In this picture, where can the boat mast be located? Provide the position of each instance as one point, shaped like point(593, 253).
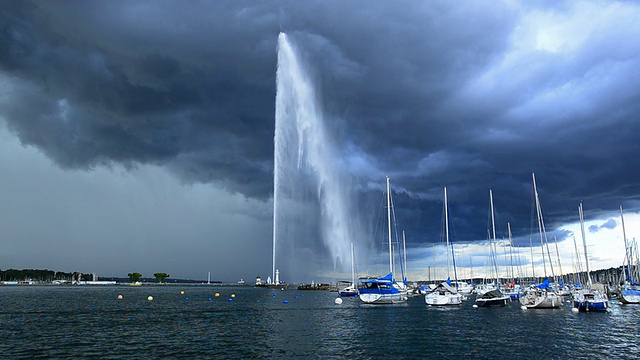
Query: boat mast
point(353, 269)
point(539, 214)
point(626, 247)
point(404, 252)
point(636, 264)
point(533, 267)
point(555, 239)
point(492, 246)
point(446, 231)
point(513, 277)
point(453, 253)
point(584, 243)
point(579, 266)
point(389, 225)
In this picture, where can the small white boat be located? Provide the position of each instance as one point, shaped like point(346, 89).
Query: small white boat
point(540, 296)
point(443, 295)
point(446, 293)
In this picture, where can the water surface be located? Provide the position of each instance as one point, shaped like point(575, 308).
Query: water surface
point(86, 322)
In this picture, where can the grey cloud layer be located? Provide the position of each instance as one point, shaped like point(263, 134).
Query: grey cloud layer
point(433, 94)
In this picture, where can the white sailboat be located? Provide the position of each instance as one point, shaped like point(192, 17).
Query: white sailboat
point(385, 289)
point(446, 293)
point(629, 292)
point(588, 298)
point(540, 296)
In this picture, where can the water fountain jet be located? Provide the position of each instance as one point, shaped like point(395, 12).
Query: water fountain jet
point(311, 201)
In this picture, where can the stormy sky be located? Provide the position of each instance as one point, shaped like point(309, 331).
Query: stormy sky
point(139, 136)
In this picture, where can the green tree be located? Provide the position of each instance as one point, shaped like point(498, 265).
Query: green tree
point(134, 277)
point(161, 276)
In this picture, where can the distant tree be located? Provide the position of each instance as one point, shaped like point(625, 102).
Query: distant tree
point(161, 276)
point(134, 277)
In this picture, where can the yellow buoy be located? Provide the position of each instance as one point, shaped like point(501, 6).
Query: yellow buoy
point(119, 297)
point(181, 292)
point(150, 298)
point(217, 294)
point(233, 295)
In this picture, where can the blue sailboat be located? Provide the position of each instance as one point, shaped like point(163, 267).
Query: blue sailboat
point(385, 289)
point(629, 292)
point(352, 289)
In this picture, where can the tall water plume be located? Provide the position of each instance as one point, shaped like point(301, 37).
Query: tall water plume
point(314, 222)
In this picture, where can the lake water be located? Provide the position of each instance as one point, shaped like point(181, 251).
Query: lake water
point(87, 322)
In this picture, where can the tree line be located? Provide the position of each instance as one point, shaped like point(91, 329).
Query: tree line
point(46, 275)
point(41, 275)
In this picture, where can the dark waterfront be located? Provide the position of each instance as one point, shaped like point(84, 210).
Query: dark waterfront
point(90, 322)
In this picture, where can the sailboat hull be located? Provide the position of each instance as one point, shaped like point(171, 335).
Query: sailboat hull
point(602, 305)
point(436, 299)
point(348, 291)
point(629, 296)
point(380, 298)
point(493, 302)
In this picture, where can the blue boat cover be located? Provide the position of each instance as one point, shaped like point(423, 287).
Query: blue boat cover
point(383, 279)
point(544, 285)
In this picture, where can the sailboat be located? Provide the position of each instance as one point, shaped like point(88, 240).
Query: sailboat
point(629, 292)
point(493, 297)
point(588, 298)
point(352, 289)
point(512, 289)
point(540, 296)
point(446, 293)
point(385, 289)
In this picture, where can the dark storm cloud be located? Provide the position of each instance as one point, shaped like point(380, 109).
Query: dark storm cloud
point(131, 85)
point(467, 96)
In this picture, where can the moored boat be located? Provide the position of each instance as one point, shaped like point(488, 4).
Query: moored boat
point(384, 289)
point(540, 296)
point(629, 291)
point(590, 298)
point(493, 297)
point(352, 288)
point(446, 293)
